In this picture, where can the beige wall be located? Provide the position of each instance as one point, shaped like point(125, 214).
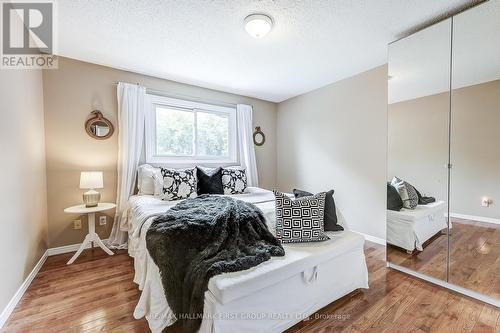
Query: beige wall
point(418, 143)
point(70, 94)
point(418, 146)
point(335, 137)
point(23, 239)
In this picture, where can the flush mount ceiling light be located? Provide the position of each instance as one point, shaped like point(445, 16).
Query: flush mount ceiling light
point(258, 25)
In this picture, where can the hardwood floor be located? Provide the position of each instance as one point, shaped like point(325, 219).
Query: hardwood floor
point(475, 256)
point(474, 259)
point(96, 294)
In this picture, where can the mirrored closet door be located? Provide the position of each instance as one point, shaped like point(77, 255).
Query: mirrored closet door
point(418, 115)
point(443, 179)
point(475, 151)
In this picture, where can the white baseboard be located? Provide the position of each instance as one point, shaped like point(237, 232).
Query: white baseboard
point(68, 248)
point(22, 289)
point(475, 218)
point(447, 285)
point(374, 239)
point(24, 286)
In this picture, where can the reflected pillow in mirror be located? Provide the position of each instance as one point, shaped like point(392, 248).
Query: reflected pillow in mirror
point(407, 193)
point(394, 201)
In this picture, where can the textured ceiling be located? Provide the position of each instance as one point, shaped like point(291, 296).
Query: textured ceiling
point(202, 42)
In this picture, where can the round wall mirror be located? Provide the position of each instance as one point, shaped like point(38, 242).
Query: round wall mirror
point(99, 127)
point(258, 137)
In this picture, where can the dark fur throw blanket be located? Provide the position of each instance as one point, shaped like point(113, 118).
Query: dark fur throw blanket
point(200, 238)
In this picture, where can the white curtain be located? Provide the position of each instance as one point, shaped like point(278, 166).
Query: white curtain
point(245, 143)
point(131, 111)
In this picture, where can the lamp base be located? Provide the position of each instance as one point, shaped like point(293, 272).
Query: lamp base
point(91, 198)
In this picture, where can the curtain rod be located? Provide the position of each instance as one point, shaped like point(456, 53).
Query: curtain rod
point(188, 97)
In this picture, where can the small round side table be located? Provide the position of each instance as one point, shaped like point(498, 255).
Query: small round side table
point(92, 236)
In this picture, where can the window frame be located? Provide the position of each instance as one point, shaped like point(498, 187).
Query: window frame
point(151, 155)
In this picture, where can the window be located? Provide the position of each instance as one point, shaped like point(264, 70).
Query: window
point(188, 133)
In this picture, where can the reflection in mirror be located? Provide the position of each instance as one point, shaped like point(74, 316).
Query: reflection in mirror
point(475, 153)
point(99, 128)
point(418, 130)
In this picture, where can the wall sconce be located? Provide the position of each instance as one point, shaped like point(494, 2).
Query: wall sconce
point(486, 202)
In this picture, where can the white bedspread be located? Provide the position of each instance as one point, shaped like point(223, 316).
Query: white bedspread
point(142, 209)
point(238, 291)
point(409, 229)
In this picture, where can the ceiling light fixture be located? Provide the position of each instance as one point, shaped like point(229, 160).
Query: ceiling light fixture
point(258, 25)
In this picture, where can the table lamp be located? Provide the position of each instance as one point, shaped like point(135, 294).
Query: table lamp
point(91, 180)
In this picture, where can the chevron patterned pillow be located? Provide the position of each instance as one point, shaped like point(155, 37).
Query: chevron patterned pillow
point(300, 221)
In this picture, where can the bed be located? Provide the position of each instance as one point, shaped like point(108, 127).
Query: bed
point(270, 297)
point(410, 229)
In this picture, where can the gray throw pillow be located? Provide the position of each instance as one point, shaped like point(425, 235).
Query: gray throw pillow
point(301, 220)
point(330, 221)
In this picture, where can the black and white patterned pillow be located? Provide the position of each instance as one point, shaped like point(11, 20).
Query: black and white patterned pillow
point(234, 181)
point(179, 183)
point(407, 192)
point(301, 220)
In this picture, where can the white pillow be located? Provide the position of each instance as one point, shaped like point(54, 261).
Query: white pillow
point(158, 182)
point(206, 170)
point(149, 180)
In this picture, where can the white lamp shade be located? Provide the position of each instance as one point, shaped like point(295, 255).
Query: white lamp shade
point(91, 180)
